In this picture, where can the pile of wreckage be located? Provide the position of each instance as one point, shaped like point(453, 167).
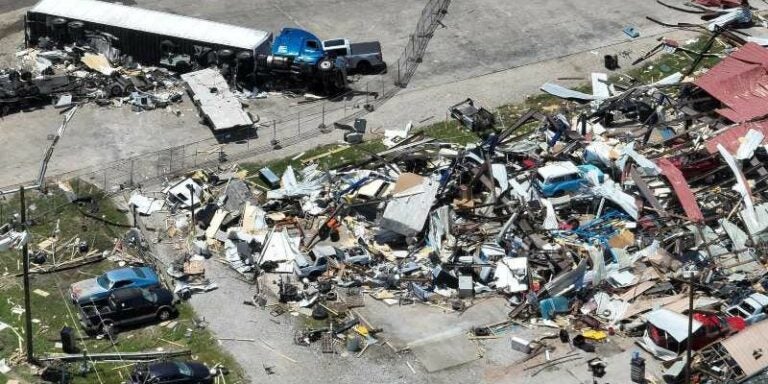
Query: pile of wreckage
point(599, 219)
point(87, 70)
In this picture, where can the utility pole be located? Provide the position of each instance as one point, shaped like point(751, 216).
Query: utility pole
point(192, 207)
point(690, 326)
point(25, 264)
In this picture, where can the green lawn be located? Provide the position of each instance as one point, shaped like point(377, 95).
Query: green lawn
point(54, 311)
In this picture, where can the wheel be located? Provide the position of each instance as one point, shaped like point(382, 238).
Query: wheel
point(107, 327)
point(325, 64)
point(116, 90)
point(164, 314)
point(167, 46)
point(364, 67)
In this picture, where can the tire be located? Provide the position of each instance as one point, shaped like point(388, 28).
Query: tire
point(164, 314)
point(167, 46)
point(225, 55)
point(107, 327)
point(319, 313)
point(116, 90)
point(325, 65)
point(59, 21)
point(364, 67)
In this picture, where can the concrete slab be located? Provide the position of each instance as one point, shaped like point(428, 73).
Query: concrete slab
point(405, 326)
point(446, 352)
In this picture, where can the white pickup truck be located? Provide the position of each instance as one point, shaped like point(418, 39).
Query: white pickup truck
point(361, 57)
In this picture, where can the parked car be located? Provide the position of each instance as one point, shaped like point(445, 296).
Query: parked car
point(95, 290)
point(560, 178)
point(176, 372)
point(752, 309)
point(128, 306)
point(362, 57)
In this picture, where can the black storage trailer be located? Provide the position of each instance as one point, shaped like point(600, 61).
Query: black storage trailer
point(146, 35)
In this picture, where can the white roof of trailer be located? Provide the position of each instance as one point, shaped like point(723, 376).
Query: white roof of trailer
point(149, 21)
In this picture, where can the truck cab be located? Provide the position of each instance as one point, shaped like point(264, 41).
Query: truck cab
point(298, 53)
point(752, 309)
point(303, 47)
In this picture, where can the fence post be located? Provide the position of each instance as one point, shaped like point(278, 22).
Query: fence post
point(399, 81)
point(322, 124)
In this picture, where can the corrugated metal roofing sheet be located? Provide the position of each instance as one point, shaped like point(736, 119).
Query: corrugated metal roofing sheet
point(682, 190)
point(740, 82)
point(160, 23)
point(211, 93)
point(731, 137)
point(742, 346)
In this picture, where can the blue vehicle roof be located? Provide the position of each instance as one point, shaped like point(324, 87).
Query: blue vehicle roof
point(131, 273)
point(289, 42)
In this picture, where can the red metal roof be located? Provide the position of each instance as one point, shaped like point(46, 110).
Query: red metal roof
point(731, 137)
point(682, 190)
point(740, 82)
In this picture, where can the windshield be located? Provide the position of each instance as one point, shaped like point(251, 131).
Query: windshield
point(103, 281)
point(748, 308)
point(183, 369)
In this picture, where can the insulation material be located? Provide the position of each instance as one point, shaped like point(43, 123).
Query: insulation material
point(550, 221)
point(565, 93)
point(628, 152)
point(439, 228)
point(600, 86)
point(254, 219)
point(752, 140)
point(511, 274)
point(742, 186)
point(598, 265)
point(614, 193)
point(98, 63)
point(312, 182)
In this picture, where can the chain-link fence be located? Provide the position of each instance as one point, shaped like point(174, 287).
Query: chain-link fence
point(310, 121)
point(413, 52)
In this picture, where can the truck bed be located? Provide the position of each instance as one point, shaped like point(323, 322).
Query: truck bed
point(366, 48)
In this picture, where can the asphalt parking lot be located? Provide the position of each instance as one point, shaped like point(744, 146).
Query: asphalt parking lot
point(480, 39)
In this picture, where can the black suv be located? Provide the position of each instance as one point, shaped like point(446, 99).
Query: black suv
point(128, 306)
